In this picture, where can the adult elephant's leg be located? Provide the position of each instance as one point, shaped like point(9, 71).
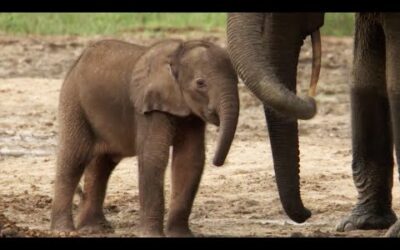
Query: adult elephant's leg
point(392, 30)
point(187, 168)
point(91, 216)
point(372, 144)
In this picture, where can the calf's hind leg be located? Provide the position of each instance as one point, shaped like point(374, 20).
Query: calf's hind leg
point(74, 151)
point(91, 215)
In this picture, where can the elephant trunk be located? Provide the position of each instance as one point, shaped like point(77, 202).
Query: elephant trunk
point(245, 47)
point(285, 151)
point(268, 66)
point(228, 112)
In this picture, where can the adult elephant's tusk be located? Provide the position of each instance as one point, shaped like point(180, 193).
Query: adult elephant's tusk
point(316, 62)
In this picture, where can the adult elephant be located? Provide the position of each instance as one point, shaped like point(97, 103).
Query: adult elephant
point(264, 48)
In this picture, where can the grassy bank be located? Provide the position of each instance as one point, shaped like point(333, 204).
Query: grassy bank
point(337, 24)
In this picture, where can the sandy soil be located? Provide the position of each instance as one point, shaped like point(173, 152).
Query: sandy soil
point(238, 199)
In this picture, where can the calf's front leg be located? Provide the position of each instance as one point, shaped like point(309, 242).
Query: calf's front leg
point(187, 168)
point(155, 135)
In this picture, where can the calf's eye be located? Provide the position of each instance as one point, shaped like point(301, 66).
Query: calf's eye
point(201, 83)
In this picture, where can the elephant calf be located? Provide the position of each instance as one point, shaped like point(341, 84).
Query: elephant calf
point(121, 100)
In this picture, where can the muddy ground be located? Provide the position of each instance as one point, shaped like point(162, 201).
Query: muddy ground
point(238, 199)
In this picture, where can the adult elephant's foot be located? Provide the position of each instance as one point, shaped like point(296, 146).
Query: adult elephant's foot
point(360, 219)
point(394, 231)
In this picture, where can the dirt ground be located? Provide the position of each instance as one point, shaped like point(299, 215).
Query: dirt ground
point(238, 199)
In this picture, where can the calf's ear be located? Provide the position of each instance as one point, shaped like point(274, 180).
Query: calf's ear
point(154, 85)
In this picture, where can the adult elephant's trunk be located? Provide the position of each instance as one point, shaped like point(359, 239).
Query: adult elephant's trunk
point(228, 112)
point(245, 45)
point(265, 55)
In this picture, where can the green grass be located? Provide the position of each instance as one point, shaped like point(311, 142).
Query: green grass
point(339, 24)
point(104, 23)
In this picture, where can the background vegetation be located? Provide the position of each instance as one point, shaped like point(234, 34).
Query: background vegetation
point(336, 24)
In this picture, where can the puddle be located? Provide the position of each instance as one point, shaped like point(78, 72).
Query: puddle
point(26, 144)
